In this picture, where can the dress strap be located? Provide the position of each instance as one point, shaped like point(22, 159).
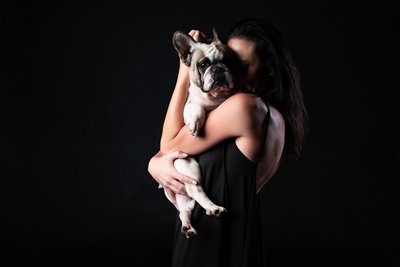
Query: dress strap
point(264, 131)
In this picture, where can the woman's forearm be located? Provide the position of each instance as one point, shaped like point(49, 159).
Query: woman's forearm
point(173, 121)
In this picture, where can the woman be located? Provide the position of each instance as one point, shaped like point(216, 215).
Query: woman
point(240, 151)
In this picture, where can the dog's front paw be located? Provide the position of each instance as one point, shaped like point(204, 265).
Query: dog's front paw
point(193, 128)
point(189, 231)
point(195, 119)
point(215, 211)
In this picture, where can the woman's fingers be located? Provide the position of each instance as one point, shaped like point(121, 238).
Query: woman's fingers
point(181, 177)
point(199, 36)
point(185, 179)
point(176, 186)
point(194, 34)
point(177, 155)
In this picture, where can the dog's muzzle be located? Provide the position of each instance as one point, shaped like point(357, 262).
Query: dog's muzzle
point(216, 77)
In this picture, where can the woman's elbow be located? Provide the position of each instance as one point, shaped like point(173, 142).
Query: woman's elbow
point(163, 145)
point(168, 145)
point(165, 148)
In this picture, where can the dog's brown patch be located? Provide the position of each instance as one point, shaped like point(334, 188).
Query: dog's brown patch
point(197, 55)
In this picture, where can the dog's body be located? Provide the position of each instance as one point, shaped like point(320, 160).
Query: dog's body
point(210, 84)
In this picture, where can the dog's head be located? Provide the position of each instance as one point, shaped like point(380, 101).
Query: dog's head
point(209, 64)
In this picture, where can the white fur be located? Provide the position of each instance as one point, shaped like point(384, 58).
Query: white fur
point(196, 107)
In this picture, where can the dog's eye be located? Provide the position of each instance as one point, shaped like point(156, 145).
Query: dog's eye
point(204, 64)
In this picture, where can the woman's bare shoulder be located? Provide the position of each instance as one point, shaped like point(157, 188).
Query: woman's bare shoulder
point(247, 110)
point(246, 102)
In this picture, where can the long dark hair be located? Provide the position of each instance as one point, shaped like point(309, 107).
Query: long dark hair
point(279, 84)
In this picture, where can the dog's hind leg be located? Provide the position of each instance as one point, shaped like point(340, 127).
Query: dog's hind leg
point(185, 206)
point(190, 167)
point(196, 192)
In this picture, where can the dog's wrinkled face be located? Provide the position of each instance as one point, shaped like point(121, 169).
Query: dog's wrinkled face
point(208, 63)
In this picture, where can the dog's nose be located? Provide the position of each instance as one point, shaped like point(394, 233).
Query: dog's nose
point(219, 70)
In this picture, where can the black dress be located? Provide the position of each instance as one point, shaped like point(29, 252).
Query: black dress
point(234, 238)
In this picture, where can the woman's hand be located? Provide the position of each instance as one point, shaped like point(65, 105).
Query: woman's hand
point(199, 36)
point(162, 169)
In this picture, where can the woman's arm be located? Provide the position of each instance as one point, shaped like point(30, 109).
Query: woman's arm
point(235, 117)
point(173, 121)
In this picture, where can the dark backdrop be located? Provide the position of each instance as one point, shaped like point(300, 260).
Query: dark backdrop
point(84, 94)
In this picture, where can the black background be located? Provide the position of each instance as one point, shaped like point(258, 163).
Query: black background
point(84, 94)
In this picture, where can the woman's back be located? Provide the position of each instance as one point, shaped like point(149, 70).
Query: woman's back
point(271, 155)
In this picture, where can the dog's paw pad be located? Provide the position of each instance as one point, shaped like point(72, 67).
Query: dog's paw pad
point(216, 212)
point(189, 231)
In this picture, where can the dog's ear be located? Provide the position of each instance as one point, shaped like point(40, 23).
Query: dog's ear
point(183, 43)
point(215, 38)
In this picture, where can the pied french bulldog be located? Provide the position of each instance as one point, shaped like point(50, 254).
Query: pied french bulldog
point(211, 83)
